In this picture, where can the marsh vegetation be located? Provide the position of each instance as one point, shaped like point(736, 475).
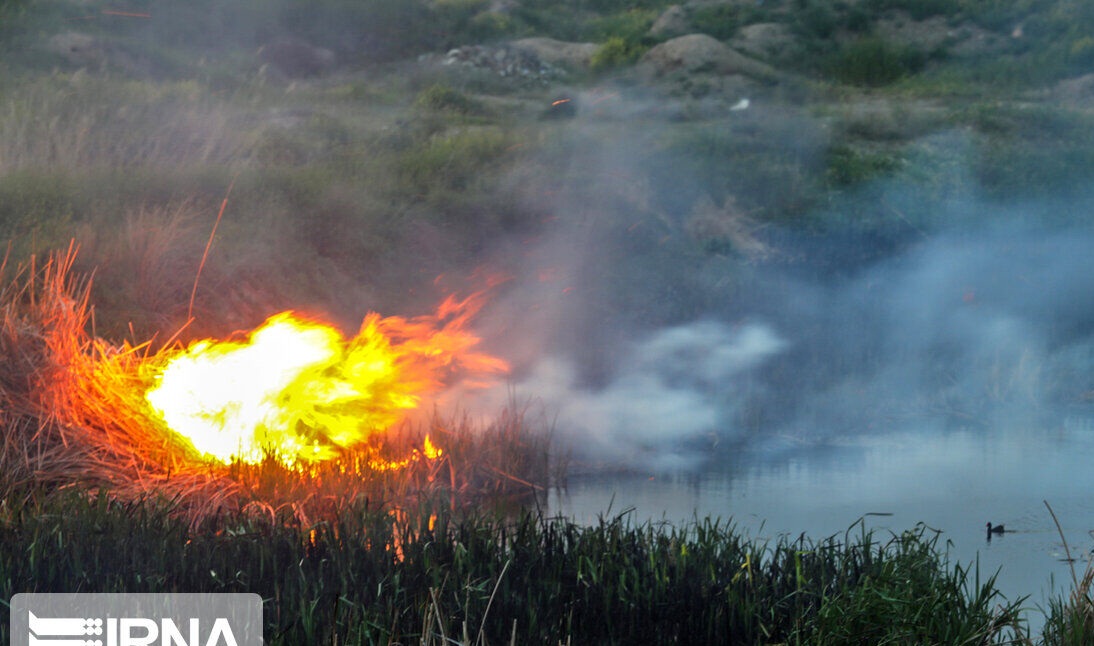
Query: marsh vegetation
point(359, 164)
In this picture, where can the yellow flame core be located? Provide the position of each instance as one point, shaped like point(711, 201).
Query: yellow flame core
point(299, 391)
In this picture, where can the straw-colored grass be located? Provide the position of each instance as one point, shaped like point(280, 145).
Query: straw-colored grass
point(75, 121)
point(73, 409)
point(73, 414)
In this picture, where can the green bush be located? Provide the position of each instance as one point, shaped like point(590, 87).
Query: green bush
point(460, 161)
point(873, 61)
point(443, 98)
point(615, 53)
point(719, 21)
point(573, 21)
point(816, 19)
point(632, 26)
point(848, 166)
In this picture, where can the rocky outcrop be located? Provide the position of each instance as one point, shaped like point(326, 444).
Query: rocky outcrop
point(673, 22)
point(699, 53)
point(507, 61)
point(764, 40)
point(557, 52)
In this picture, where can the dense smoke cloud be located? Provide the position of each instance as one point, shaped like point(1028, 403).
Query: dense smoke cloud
point(650, 353)
point(965, 327)
point(671, 394)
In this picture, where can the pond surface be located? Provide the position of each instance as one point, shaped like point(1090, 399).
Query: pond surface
point(954, 481)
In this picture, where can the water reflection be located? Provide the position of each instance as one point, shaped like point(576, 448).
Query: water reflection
point(954, 481)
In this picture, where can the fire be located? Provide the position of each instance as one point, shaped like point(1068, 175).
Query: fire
point(300, 391)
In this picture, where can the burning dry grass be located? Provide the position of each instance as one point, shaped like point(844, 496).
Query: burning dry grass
point(74, 414)
point(72, 405)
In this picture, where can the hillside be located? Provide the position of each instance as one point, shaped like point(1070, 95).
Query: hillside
point(368, 148)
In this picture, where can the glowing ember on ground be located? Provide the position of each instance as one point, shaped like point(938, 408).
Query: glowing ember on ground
point(298, 390)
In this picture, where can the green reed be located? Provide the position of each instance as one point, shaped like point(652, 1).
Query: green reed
point(366, 575)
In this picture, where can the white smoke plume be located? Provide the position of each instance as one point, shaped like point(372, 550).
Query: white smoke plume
point(649, 351)
point(668, 401)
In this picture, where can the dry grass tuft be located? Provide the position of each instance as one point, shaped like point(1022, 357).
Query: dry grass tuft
point(726, 228)
point(73, 414)
point(72, 405)
point(75, 121)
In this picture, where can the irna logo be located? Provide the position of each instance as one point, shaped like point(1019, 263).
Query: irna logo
point(136, 620)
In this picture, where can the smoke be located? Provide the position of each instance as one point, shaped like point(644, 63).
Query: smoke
point(669, 397)
point(964, 327)
point(651, 348)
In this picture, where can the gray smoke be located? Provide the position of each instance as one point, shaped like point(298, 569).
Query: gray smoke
point(670, 396)
point(651, 351)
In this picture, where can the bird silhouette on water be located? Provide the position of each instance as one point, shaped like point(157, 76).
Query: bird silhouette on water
point(995, 529)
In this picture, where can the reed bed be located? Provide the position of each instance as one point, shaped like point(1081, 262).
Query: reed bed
point(1071, 620)
point(71, 403)
point(431, 575)
point(73, 414)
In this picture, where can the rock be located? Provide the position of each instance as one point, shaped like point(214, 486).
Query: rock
point(699, 53)
point(764, 40)
point(557, 52)
point(296, 58)
point(673, 22)
point(507, 60)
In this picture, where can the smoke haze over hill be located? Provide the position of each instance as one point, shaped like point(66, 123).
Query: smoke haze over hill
point(648, 353)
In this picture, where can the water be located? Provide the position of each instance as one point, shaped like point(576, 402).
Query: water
point(953, 481)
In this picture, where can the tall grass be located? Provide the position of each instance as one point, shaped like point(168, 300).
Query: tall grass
point(371, 574)
point(1071, 620)
point(76, 121)
point(73, 412)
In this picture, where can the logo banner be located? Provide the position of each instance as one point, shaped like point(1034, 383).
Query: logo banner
point(139, 619)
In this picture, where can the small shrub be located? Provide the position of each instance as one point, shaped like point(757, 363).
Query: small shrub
point(632, 26)
point(848, 166)
point(615, 53)
point(816, 20)
point(874, 62)
point(443, 98)
point(490, 25)
point(719, 21)
point(455, 162)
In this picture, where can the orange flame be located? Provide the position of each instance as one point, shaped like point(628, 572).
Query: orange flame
point(299, 391)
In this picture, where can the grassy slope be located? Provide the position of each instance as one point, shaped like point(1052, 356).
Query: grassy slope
point(369, 182)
